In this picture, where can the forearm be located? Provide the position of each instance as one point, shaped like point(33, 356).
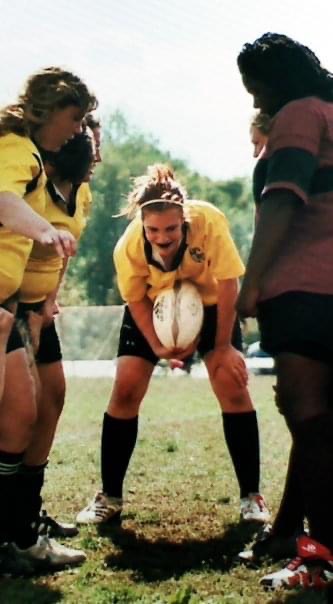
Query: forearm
point(226, 313)
point(276, 214)
point(54, 294)
point(142, 313)
point(19, 217)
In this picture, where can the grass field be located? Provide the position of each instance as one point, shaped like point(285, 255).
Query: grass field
point(180, 529)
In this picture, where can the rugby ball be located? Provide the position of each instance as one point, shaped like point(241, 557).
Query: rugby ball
point(178, 315)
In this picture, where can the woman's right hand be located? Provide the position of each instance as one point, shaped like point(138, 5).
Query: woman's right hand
point(63, 241)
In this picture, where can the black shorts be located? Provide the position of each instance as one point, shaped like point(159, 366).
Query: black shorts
point(298, 322)
point(14, 341)
point(24, 307)
point(49, 350)
point(132, 343)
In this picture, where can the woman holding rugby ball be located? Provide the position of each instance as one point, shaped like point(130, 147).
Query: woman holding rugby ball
point(171, 239)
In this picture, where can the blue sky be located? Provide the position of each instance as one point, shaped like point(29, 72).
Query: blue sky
point(169, 66)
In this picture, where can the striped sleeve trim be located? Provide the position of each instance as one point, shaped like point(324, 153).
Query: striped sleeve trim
point(291, 169)
point(285, 186)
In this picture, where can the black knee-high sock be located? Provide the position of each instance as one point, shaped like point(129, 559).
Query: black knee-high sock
point(242, 438)
point(289, 519)
point(31, 479)
point(9, 466)
point(29, 483)
point(313, 443)
point(118, 442)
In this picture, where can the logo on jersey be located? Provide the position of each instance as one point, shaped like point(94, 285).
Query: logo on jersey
point(197, 254)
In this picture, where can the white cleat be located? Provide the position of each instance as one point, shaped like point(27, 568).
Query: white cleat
point(100, 509)
point(254, 509)
point(47, 553)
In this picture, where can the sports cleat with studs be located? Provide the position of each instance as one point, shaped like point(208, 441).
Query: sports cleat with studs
point(100, 509)
point(51, 527)
point(313, 567)
point(269, 545)
point(253, 509)
point(48, 554)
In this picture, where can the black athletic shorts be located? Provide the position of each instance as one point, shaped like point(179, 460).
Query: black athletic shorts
point(133, 343)
point(14, 341)
point(49, 350)
point(24, 307)
point(298, 322)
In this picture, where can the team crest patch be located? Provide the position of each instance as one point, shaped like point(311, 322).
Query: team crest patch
point(197, 254)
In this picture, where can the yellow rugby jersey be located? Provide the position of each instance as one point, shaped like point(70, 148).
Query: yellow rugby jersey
point(209, 256)
point(21, 165)
point(44, 266)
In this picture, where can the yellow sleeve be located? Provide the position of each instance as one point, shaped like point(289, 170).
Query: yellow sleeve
point(19, 165)
point(131, 265)
point(225, 261)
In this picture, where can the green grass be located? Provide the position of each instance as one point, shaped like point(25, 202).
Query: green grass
point(180, 530)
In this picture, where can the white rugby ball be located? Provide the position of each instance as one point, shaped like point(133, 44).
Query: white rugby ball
point(178, 315)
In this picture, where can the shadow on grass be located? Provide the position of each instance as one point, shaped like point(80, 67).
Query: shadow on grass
point(162, 559)
point(24, 591)
point(309, 596)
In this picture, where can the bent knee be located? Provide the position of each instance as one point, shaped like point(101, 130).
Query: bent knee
point(225, 383)
point(124, 401)
point(126, 397)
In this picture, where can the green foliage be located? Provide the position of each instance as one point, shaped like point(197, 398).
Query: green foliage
point(126, 154)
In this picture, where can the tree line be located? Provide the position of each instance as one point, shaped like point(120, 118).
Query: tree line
point(90, 279)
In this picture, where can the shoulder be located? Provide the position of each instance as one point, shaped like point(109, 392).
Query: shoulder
point(300, 124)
point(299, 110)
point(206, 219)
point(203, 210)
point(19, 147)
point(132, 238)
point(20, 142)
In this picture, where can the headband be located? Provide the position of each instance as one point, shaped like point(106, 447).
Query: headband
point(152, 201)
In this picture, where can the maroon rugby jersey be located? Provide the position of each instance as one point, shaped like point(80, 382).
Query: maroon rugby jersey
point(299, 158)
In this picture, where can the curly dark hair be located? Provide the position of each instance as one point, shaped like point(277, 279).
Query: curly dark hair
point(92, 121)
point(289, 69)
point(74, 159)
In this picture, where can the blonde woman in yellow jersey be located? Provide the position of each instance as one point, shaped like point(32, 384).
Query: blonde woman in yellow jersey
point(171, 239)
point(48, 112)
point(67, 207)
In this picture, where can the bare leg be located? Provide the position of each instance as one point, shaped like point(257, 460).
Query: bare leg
point(6, 323)
point(304, 389)
point(240, 428)
point(50, 405)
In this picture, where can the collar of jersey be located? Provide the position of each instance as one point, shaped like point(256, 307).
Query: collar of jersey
point(178, 257)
